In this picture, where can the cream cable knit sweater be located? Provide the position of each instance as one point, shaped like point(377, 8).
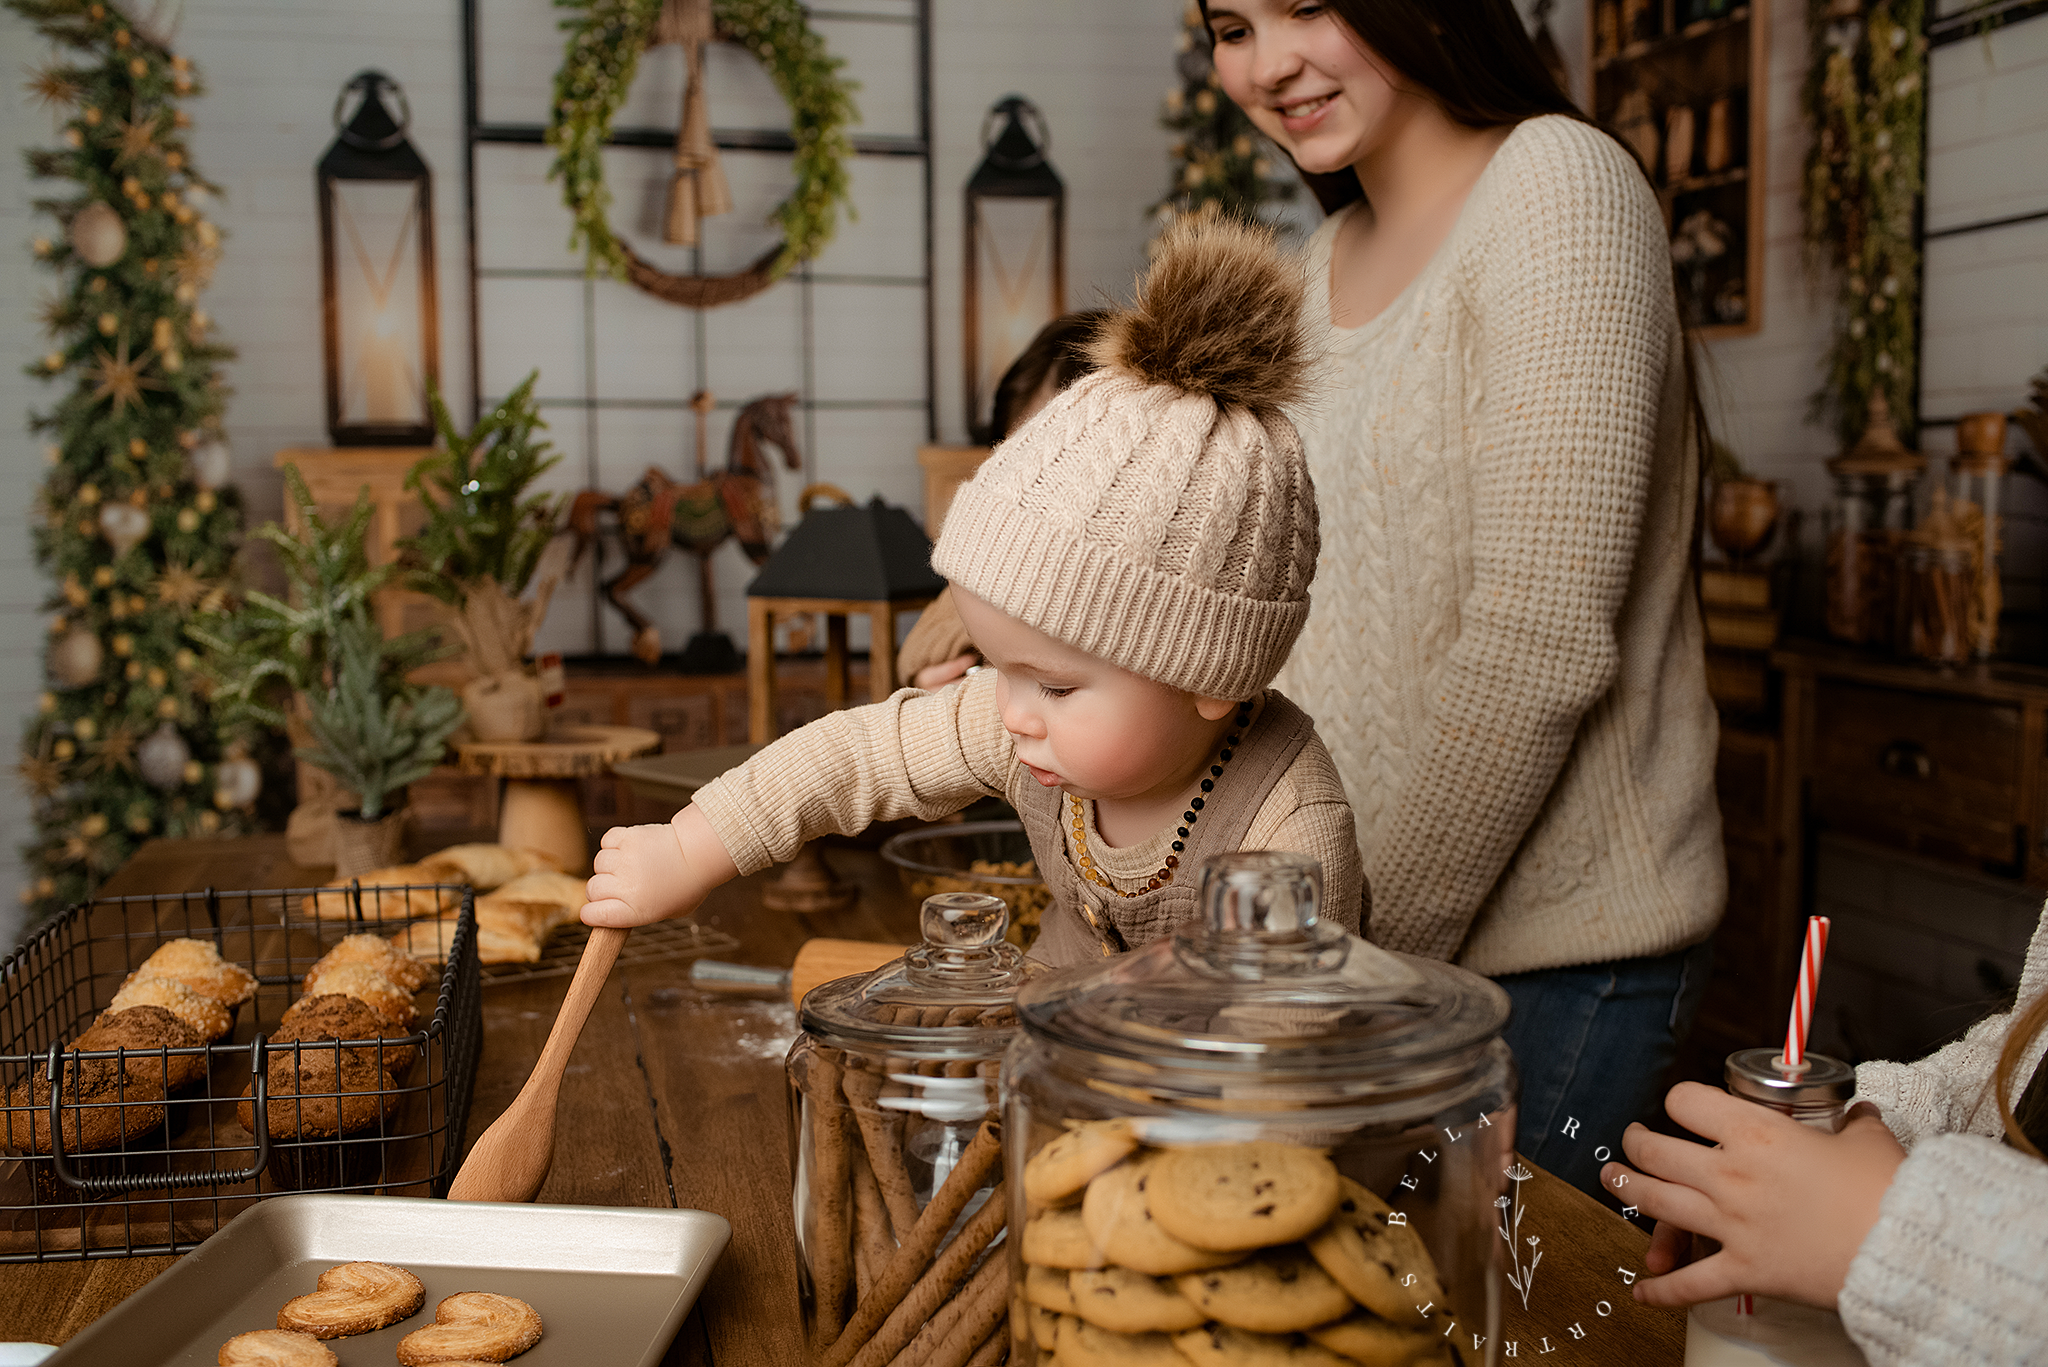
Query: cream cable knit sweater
point(926, 755)
point(1504, 654)
point(1956, 1269)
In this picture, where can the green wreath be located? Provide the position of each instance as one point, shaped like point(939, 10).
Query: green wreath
point(606, 39)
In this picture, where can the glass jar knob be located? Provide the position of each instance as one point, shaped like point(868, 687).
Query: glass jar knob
point(963, 947)
point(1261, 892)
point(963, 920)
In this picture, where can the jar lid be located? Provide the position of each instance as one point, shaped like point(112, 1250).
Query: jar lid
point(1259, 984)
point(1763, 1075)
point(951, 995)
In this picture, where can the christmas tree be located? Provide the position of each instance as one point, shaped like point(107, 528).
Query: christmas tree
point(135, 522)
point(1222, 164)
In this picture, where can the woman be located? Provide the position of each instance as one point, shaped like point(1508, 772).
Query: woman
point(1504, 653)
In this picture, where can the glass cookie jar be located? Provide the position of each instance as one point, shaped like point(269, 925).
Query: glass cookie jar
point(1256, 1127)
point(897, 1142)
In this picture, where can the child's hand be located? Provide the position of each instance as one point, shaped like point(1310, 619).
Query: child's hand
point(644, 874)
point(1788, 1205)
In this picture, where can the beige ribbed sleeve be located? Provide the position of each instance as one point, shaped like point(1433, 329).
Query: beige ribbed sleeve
point(924, 755)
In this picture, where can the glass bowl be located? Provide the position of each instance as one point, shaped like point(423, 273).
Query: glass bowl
point(974, 856)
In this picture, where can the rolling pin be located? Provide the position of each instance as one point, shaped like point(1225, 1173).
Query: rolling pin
point(822, 960)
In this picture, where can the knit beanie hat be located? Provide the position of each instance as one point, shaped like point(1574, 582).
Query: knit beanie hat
point(1158, 513)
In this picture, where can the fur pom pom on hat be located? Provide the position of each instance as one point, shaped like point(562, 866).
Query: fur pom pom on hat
point(1158, 513)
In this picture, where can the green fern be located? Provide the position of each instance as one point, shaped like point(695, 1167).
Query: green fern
point(480, 523)
point(373, 730)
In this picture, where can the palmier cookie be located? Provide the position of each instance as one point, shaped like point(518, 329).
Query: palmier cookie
point(1064, 1166)
point(354, 1298)
point(1082, 1344)
point(1219, 1345)
point(1118, 1217)
point(1133, 1303)
point(1371, 1340)
point(1059, 1238)
point(1280, 1291)
point(1043, 1286)
point(473, 1326)
point(275, 1348)
point(1379, 1260)
point(1230, 1197)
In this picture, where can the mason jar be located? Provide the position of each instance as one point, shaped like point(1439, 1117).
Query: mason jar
point(1259, 1098)
point(897, 1145)
point(1867, 515)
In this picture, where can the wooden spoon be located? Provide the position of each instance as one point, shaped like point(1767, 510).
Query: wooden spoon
point(510, 1160)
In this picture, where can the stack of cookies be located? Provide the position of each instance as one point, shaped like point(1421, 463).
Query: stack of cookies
point(345, 1050)
point(1218, 1255)
point(183, 997)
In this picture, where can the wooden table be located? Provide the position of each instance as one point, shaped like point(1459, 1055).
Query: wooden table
point(675, 1098)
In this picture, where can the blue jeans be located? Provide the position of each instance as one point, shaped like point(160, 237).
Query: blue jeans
point(1593, 1043)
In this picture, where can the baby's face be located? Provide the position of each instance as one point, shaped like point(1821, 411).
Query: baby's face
point(1080, 722)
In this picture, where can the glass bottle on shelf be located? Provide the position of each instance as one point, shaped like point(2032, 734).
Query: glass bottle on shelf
point(896, 1138)
point(1259, 1037)
point(1976, 475)
point(1939, 603)
point(1867, 517)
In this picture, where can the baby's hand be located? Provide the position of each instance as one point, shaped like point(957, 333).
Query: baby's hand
point(1788, 1205)
point(640, 876)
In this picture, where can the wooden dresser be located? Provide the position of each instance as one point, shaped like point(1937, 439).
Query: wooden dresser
point(1909, 804)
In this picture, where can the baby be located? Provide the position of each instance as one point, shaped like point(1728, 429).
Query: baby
point(1134, 565)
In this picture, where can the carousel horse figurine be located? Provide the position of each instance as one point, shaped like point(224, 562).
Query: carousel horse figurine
point(659, 512)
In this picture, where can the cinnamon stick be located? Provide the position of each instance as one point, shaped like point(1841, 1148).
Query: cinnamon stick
point(923, 1300)
point(914, 1249)
point(829, 1203)
point(884, 1146)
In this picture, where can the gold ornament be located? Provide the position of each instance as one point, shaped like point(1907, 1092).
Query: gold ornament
point(193, 771)
point(42, 246)
point(103, 576)
point(205, 502)
point(64, 749)
point(86, 728)
point(157, 677)
point(94, 826)
point(167, 708)
point(120, 379)
point(137, 604)
point(172, 362)
point(118, 608)
point(88, 494)
point(53, 360)
point(53, 89)
point(188, 520)
point(185, 660)
point(76, 593)
point(117, 751)
point(122, 38)
point(133, 671)
point(91, 116)
point(74, 849)
point(179, 587)
point(160, 338)
point(139, 821)
point(39, 775)
point(137, 139)
point(45, 886)
point(46, 703)
point(174, 160)
point(137, 67)
point(73, 139)
point(209, 822)
point(76, 660)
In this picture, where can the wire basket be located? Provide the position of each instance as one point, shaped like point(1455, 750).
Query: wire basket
point(163, 1161)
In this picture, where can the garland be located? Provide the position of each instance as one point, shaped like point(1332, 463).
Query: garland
point(1866, 96)
point(606, 39)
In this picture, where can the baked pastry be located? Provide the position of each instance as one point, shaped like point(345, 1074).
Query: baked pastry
point(562, 891)
point(148, 1028)
point(354, 1298)
point(484, 867)
point(276, 1348)
point(473, 1326)
point(394, 894)
point(333, 1016)
point(199, 966)
point(375, 952)
point(205, 1015)
point(325, 1108)
point(428, 941)
point(101, 1107)
point(367, 985)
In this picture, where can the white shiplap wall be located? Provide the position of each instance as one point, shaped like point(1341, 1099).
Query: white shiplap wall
point(1097, 70)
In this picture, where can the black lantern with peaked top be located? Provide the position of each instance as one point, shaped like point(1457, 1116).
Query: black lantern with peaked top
point(1016, 277)
point(377, 271)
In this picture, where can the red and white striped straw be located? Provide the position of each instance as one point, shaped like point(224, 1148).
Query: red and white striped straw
point(1802, 995)
point(1745, 1304)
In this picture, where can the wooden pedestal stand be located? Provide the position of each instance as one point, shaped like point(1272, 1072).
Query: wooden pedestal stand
point(542, 806)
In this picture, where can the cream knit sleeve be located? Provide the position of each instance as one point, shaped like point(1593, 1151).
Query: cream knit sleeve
point(1568, 283)
point(920, 755)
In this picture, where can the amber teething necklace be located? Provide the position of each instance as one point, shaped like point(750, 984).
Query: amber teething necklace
point(1158, 880)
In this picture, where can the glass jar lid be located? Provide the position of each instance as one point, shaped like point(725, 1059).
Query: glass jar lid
point(1260, 985)
point(951, 996)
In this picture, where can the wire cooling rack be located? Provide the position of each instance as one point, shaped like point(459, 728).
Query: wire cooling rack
point(651, 944)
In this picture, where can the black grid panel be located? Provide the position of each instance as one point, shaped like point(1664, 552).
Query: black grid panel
point(850, 333)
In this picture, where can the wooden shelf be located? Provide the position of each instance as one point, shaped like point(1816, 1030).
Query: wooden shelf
point(1693, 184)
point(1671, 42)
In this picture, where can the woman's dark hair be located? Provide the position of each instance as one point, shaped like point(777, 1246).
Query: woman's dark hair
point(1474, 57)
point(1060, 350)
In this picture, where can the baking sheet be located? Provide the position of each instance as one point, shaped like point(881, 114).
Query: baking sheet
point(611, 1285)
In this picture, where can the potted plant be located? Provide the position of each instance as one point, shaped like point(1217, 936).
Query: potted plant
point(1744, 510)
point(482, 547)
point(277, 662)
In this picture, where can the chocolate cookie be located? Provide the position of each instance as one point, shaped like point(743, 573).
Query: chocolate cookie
point(1219, 1345)
point(1133, 1303)
point(1373, 1256)
point(1117, 1212)
point(1082, 1344)
point(1059, 1238)
point(1066, 1164)
point(334, 1016)
point(101, 1107)
point(1043, 1286)
point(1278, 1291)
point(1370, 1340)
point(313, 1100)
point(1230, 1197)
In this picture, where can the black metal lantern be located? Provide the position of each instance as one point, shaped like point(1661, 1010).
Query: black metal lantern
point(377, 272)
point(1016, 277)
